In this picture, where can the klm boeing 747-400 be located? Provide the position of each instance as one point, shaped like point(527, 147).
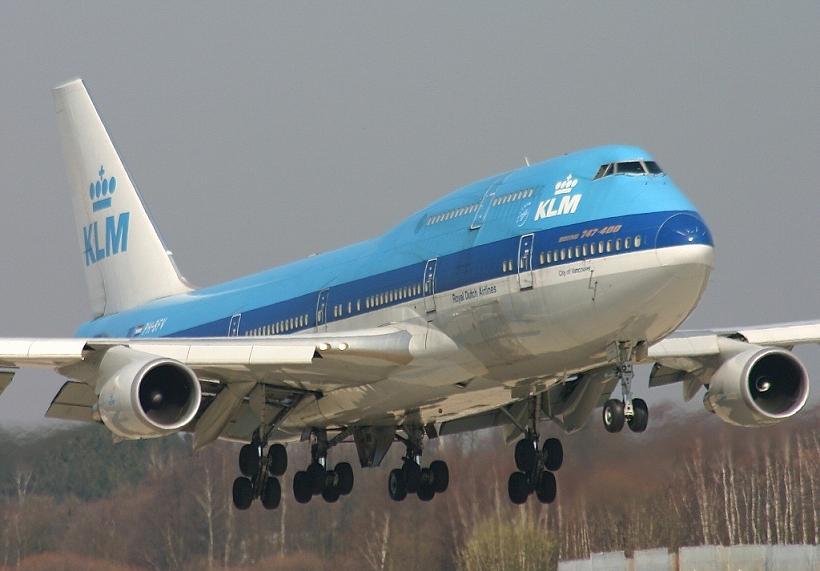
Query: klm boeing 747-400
point(520, 298)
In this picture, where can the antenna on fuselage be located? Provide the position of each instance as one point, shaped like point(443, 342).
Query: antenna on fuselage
point(526, 161)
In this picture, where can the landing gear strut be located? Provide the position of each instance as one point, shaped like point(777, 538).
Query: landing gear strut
point(536, 465)
point(317, 479)
point(260, 474)
point(411, 478)
point(633, 411)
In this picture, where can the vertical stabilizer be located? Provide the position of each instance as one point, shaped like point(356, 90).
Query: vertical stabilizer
point(126, 263)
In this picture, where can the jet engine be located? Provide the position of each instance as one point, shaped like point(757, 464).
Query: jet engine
point(143, 395)
point(757, 386)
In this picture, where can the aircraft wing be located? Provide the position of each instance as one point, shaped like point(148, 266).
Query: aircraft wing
point(229, 368)
point(689, 356)
point(311, 361)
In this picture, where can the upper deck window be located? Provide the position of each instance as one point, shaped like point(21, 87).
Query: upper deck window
point(631, 168)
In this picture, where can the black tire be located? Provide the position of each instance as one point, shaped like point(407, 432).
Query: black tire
point(553, 454)
point(277, 459)
point(302, 490)
point(441, 475)
point(271, 494)
point(518, 487)
point(613, 415)
point(426, 491)
point(249, 460)
point(525, 455)
point(242, 493)
point(344, 474)
point(412, 473)
point(316, 475)
point(640, 418)
point(547, 488)
point(331, 494)
point(397, 485)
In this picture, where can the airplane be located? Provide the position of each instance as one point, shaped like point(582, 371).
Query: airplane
point(521, 298)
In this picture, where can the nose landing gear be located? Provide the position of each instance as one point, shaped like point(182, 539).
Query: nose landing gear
point(633, 411)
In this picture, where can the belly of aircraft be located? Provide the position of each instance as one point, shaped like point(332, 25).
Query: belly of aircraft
point(515, 338)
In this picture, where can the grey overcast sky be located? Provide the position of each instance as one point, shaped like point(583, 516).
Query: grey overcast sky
point(259, 132)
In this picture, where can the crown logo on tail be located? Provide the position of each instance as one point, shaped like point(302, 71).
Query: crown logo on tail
point(100, 191)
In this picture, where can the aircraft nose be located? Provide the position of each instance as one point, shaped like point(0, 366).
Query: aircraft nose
point(684, 229)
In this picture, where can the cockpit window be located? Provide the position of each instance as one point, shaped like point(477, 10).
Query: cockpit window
point(632, 168)
point(653, 167)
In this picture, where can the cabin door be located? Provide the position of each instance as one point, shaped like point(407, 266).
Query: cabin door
point(321, 310)
point(429, 286)
point(233, 327)
point(525, 261)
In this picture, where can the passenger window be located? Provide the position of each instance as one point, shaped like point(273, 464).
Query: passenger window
point(584, 250)
point(577, 251)
point(637, 241)
point(563, 254)
point(627, 243)
point(592, 248)
point(609, 246)
point(618, 245)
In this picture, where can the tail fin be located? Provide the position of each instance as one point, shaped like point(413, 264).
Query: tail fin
point(126, 263)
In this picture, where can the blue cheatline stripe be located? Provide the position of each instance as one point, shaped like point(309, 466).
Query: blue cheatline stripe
point(457, 270)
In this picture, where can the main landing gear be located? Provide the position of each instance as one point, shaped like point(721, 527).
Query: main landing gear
point(317, 478)
point(411, 478)
point(260, 475)
point(633, 411)
point(536, 465)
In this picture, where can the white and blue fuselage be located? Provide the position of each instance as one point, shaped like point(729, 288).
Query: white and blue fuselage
point(532, 274)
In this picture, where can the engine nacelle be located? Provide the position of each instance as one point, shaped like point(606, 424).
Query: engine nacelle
point(145, 396)
point(758, 387)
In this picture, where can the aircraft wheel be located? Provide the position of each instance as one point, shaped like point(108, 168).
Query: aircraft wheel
point(277, 459)
point(613, 415)
point(525, 455)
point(249, 460)
point(331, 494)
point(316, 476)
point(426, 490)
point(271, 494)
point(553, 454)
point(546, 489)
point(302, 488)
point(640, 417)
point(518, 487)
point(344, 473)
point(242, 493)
point(412, 472)
point(397, 484)
point(441, 475)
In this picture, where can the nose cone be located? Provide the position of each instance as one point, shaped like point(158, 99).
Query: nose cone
point(684, 241)
point(683, 229)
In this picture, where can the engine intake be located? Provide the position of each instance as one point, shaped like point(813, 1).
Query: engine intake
point(145, 396)
point(758, 387)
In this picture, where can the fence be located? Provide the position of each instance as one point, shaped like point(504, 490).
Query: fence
point(705, 558)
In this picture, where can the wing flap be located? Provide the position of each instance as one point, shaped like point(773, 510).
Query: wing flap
point(75, 401)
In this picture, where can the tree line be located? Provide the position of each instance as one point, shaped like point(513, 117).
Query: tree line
point(72, 499)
